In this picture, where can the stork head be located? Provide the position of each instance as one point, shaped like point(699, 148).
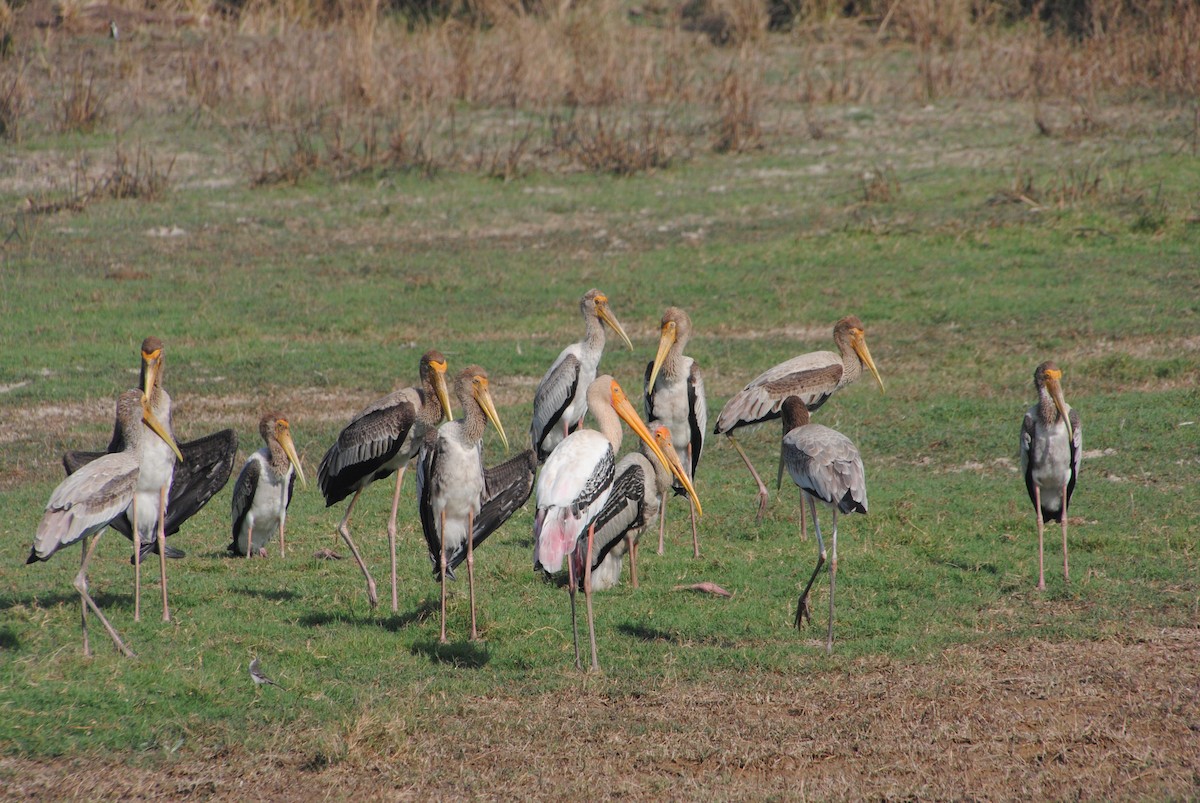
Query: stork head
point(595, 304)
point(1049, 376)
point(850, 330)
point(662, 436)
point(275, 427)
point(433, 375)
point(676, 328)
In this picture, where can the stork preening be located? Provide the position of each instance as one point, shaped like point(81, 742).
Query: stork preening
point(811, 377)
point(573, 487)
point(263, 490)
point(675, 396)
point(826, 466)
point(1051, 449)
point(381, 439)
point(450, 482)
point(640, 484)
point(87, 501)
point(172, 492)
point(561, 397)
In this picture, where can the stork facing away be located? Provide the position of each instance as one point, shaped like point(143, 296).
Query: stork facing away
point(640, 484)
point(1051, 450)
point(382, 439)
point(561, 397)
point(573, 487)
point(826, 466)
point(263, 490)
point(171, 492)
point(674, 393)
point(812, 378)
point(88, 500)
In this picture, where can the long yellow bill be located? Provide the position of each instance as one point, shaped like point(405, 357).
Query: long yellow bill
point(152, 421)
point(662, 436)
point(665, 341)
point(605, 314)
point(484, 396)
point(289, 448)
point(439, 387)
point(1052, 385)
point(859, 341)
point(620, 403)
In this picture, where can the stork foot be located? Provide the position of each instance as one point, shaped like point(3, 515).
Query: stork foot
point(802, 611)
point(763, 497)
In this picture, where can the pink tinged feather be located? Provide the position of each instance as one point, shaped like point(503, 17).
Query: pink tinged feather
point(556, 539)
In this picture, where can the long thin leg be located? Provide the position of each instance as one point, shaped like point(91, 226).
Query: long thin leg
point(87, 648)
point(571, 594)
point(249, 536)
point(832, 582)
point(631, 548)
point(1037, 506)
point(1066, 567)
point(137, 561)
point(763, 494)
point(587, 595)
point(391, 530)
point(691, 506)
point(442, 550)
point(662, 523)
point(282, 518)
point(802, 611)
point(344, 532)
point(803, 522)
point(81, 585)
point(471, 571)
point(162, 549)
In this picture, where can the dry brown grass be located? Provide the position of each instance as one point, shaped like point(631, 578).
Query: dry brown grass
point(1115, 719)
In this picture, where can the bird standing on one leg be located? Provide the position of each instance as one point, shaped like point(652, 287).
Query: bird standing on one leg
point(674, 395)
point(1051, 449)
point(826, 466)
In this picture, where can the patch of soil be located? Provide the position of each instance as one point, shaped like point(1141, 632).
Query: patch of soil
point(1117, 719)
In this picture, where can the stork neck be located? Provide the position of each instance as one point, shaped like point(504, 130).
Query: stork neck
point(1047, 410)
point(474, 422)
point(278, 457)
point(593, 339)
point(852, 366)
point(431, 412)
point(609, 423)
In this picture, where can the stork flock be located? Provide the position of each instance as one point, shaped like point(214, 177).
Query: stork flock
point(591, 507)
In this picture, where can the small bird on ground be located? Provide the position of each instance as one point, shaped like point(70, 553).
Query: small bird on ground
point(256, 674)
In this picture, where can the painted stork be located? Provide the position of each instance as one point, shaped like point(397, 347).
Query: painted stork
point(561, 397)
point(640, 484)
point(450, 481)
point(205, 468)
point(826, 466)
point(263, 490)
point(675, 396)
point(1051, 448)
point(573, 487)
point(87, 501)
point(381, 439)
point(812, 377)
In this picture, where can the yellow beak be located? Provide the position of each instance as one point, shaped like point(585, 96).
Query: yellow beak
point(662, 436)
point(152, 421)
point(483, 395)
point(289, 448)
point(665, 341)
point(859, 342)
point(605, 314)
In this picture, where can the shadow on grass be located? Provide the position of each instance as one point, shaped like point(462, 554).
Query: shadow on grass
point(274, 595)
point(463, 655)
point(648, 633)
point(397, 622)
point(104, 599)
point(9, 640)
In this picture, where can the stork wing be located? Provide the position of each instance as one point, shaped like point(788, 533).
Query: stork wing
point(368, 443)
point(697, 416)
point(85, 502)
point(243, 495)
point(623, 511)
point(554, 394)
point(506, 489)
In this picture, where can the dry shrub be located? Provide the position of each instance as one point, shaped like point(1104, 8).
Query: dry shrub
point(81, 102)
point(624, 148)
point(879, 185)
point(14, 103)
point(739, 103)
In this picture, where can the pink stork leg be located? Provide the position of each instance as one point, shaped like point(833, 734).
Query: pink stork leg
point(87, 649)
point(1066, 568)
point(763, 494)
point(802, 611)
point(391, 531)
point(631, 548)
point(471, 571)
point(587, 594)
point(137, 562)
point(571, 583)
point(1037, 506)
point(162, 549)
point(692, 505)
point(344, 531)
point(81, 585)
point(442, 551)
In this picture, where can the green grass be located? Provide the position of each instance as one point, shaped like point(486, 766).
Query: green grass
point(321, 297)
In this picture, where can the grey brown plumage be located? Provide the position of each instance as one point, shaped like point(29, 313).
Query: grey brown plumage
point(560, 400)
point(674, 396)
point(451, 485)
point(1051, 452)
point(380, 440)
point(87, 501)
point(263, 491)
point(827, 467)
point(812, 378)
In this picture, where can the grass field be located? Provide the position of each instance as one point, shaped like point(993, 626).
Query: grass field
point(974, 237)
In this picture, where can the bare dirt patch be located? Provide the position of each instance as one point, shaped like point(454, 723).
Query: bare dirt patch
point(1115, 719)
